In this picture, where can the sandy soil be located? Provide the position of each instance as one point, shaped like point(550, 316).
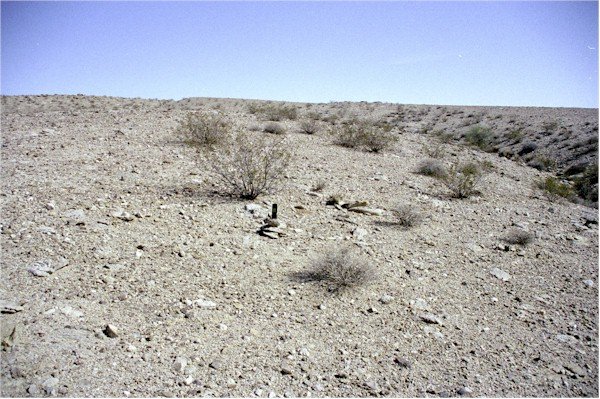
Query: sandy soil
point(200, 305)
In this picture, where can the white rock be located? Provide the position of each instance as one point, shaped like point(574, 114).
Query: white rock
point(385, 299)
point(179, 365)
point(69, 311)
point(41, 268)
point(359, 233)
point(500, 274)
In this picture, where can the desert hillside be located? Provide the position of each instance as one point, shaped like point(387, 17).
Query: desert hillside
point(128, 271)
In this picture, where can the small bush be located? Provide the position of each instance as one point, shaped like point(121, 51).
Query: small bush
point(435, 152)
point(273, 112)
point(554, 189)
point(319, 186)
point(309, 126)
point(527, 148)
point(462, 180)
point(550, 126)
point(515, 135)
point(406, 216)
point(480, 136)
point(586, 186)
point(519, 237)
point(431, 167)
point(250, 167)
point(204, 129)
point(343, 269)
point(274, 128)
point(363, 134)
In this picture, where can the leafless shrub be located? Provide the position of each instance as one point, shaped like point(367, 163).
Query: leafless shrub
point(342, 269)
point(274, 128)
point(309, 126)
point(249, 167)
point(432, 167)
point(519, 237)
point(204, 129)
point(406, 215)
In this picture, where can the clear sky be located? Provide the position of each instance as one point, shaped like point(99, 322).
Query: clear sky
point(463, 53)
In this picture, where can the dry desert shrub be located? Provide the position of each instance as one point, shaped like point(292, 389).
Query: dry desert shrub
point(273, 112)
point(201, 129)
point(274, 128)
point(319, 186)
point(519, 237)
point(309, 126)
point(363, 134)
point(406, 215)
point(462, 179)
point(431, 167)
point(342, 269)
point(251, 166)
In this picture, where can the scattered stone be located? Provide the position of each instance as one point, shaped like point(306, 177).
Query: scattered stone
point(433, 331)
point(204, 304)
point(575, 369)
point(359, 233)
point(189, 380)
point(463, 391)
point(230, 383)
point(419, 304)
point(500, 274)
point(77, 216)
point(111, 331)
point(589, 283)
point(50, 206)
point(386, 299)
point(114, 267)
point(41, 268)
point(9, 307)
point(33, 390)
point(47, 230)
point(286, 368)
point(180, 364)
point(69, 311)
point(50, 386)
point(215, 365)
point(566, 338)
point(10, 334)
point(367, 211)
point(272, 229)
point(430, 318)
point(120, 213)
point(403, 363)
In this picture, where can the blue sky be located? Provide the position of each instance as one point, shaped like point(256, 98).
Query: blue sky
point(463, 53)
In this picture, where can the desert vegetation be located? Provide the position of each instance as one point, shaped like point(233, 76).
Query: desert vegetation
point(363, 134)
point(284, 265)
point(251, 166)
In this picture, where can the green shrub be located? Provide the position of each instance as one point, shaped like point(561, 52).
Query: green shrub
point(363, 134)
point(204, 129)
point(463, 179)
point(554, 189)
point(480, 136)
point(586, 186)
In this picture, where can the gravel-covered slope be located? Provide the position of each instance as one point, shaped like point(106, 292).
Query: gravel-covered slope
point(199, 304)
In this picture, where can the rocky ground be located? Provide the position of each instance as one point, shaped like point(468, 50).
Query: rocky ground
point(125, 273)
